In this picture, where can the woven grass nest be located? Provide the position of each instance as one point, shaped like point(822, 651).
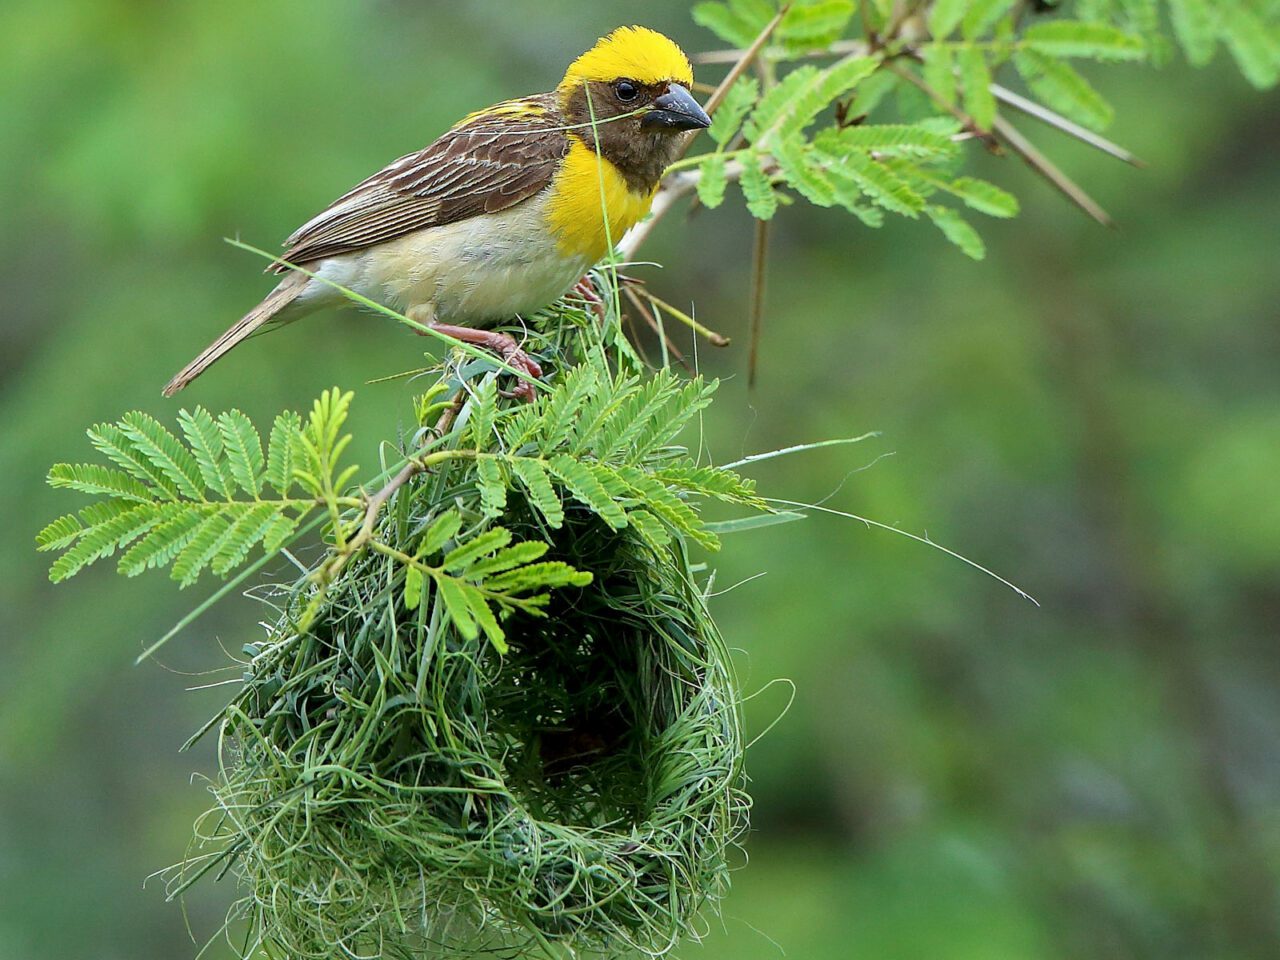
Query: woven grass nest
point(389, 788)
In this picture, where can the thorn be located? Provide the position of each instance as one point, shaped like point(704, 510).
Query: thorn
point(1042, 165)
point(1056, 120)
point(715, 339)
point(656, 327)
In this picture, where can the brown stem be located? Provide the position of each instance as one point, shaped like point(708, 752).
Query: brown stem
point(632, 329)
point(374, 503)
point(759, 255)
point(868, 31)
point(446, 419)
point(746, 59)
point(373, 506)
point(1002, 131)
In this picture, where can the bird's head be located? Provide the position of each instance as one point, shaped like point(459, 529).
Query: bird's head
point(630, 94)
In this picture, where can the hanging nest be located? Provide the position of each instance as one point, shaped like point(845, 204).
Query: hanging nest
point(391, 787)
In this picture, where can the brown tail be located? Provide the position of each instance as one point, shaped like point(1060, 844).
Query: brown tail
point(275, 301)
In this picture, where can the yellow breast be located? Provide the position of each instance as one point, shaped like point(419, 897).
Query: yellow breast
point(591, 205)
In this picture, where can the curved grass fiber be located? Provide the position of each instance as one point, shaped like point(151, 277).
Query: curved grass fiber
point(392, 789)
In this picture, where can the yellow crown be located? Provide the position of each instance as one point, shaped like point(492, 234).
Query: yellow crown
point(634, 53)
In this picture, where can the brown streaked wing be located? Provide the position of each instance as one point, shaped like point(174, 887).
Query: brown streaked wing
point(489, 162)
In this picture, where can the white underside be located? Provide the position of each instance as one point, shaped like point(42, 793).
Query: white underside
point(477, 271)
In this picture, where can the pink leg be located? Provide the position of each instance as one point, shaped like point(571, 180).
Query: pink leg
point(505, 346)
point(584, 289)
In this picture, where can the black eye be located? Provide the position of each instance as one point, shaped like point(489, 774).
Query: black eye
point(626, 90)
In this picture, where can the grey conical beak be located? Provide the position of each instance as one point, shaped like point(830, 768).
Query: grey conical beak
point(676, 110)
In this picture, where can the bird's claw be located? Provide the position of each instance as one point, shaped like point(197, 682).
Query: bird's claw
point(506, 347)
point(529, 368)
point(586, 291)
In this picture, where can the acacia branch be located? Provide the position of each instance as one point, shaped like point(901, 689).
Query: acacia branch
point(1004, 133)
point(716, 339)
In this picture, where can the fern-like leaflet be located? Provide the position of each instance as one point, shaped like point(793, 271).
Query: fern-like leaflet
point(597, 441)
point(201, 502)
point(482, 578)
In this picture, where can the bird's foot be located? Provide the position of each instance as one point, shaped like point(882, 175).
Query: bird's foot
point(586, 290)
point(516, 358)
point(506, 347)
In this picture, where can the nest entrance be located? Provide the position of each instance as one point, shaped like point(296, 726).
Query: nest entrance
point(569, 703)
point(572, 732)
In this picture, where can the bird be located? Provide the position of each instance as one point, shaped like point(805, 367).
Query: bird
point(503, 214)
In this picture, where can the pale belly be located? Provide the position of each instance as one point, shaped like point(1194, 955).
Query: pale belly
point(475, 272)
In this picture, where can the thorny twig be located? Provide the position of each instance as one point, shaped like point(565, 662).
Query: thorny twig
point(684, 182)
point(838, 49)
point(748, 56)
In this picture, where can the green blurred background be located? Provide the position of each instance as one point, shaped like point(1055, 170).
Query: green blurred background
point(1094, 414)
